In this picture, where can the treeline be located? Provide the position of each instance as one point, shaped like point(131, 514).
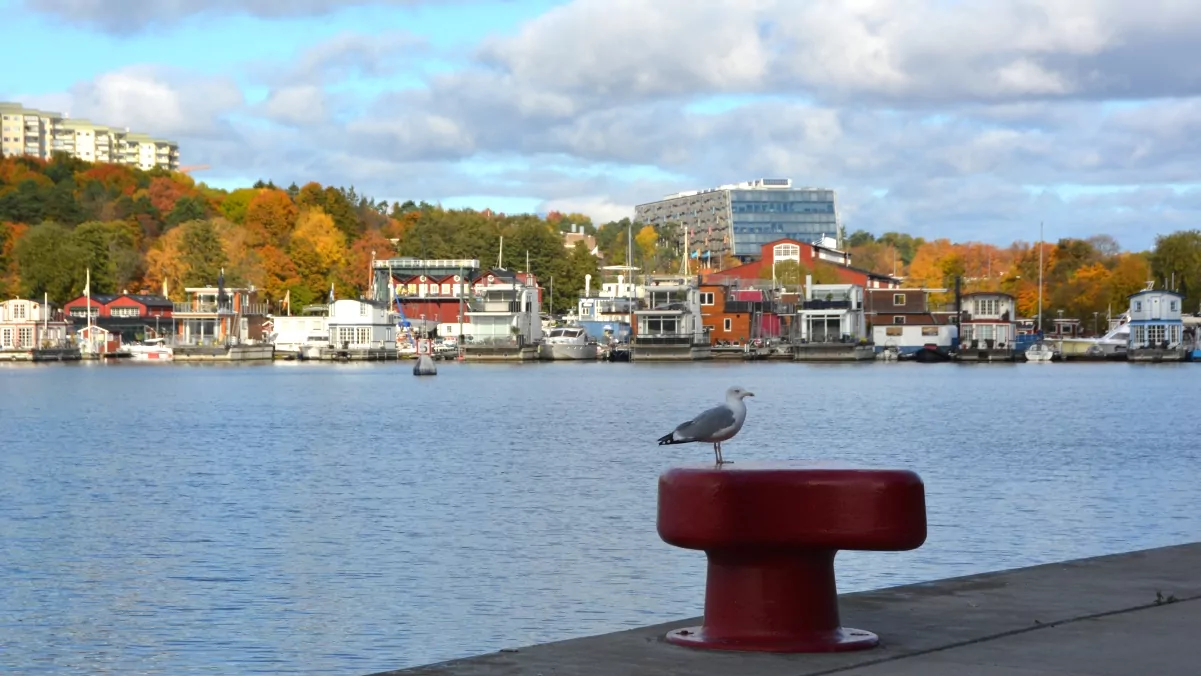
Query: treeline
point(140, 230)
point(1080, 276)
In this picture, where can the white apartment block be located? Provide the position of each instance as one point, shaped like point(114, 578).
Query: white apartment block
point(39, 133)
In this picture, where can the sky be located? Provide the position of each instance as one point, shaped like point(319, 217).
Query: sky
point(972, 120)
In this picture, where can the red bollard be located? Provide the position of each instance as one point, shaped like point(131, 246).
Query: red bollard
point(770, 531)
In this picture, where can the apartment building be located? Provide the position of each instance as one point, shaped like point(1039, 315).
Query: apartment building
point(24, 131)
point(737, 219)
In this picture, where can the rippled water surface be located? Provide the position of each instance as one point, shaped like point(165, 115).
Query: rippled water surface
point(342, 519)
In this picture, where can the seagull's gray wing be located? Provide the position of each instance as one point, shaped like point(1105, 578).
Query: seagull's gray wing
point(705, 425)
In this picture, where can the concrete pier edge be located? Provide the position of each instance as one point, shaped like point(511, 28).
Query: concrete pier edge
point(1069, 611)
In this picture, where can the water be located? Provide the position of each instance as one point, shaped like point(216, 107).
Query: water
point(342, 519)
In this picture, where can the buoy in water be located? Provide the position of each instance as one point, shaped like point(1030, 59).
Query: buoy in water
point(425, 366)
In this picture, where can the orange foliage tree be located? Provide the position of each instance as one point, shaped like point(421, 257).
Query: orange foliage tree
point(272, 215)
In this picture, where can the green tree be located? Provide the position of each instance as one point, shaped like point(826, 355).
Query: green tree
point(1176, 263)
point(235, 204)
point(111, 252)
point(569, 277)
point(906, 245)
point(860, 238)
point(51, 262)
point(202, 253)
point(188, 208)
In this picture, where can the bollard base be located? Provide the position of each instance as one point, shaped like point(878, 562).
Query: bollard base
point(837, 641)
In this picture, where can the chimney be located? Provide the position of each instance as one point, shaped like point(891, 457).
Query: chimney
point(587, 286)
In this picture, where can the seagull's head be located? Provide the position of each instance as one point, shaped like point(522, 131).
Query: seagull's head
point(737, 393)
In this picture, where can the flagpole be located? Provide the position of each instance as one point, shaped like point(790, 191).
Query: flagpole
point(87, 291)
point(1040, 277)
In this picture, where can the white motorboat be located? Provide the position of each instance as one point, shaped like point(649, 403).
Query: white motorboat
point(153, 349)
point(568, 343)
point(1040, 352)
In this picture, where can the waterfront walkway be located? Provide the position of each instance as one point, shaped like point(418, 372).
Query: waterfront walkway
point(1137, 613)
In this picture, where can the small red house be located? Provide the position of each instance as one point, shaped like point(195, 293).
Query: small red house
point(120, 305)
point(738, 315)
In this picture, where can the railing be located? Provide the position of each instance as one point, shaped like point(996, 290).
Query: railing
point(412, 264)
point(494, 306)
point(827, 305)
point(494, 341)
point(225, 308)
point(663, 339)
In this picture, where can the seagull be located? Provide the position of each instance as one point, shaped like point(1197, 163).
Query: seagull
point(715, 425)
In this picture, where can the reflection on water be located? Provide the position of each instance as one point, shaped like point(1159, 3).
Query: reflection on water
point(345, 519)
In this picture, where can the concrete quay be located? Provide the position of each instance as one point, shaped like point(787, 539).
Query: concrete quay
point(1125, 614)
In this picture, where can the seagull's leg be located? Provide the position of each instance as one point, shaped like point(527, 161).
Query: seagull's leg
point(720, 461)
point(717, 453)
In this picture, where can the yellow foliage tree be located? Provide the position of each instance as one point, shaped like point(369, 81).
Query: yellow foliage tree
point(646, 240)
point(318, 249)
point(165, 262)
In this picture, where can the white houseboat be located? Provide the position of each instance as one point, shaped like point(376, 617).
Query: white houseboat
point(221, 324)
point(672, 327)
point(1156, 326)
point(988, 327)
point(33, 331)
point(831, 324)
point(361, 330)
point(505, 323)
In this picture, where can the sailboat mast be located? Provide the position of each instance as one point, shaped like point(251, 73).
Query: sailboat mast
point(1040, 277)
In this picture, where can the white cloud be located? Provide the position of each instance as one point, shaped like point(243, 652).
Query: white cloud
point(157, 101)
point(601, 209)
point(297, 105)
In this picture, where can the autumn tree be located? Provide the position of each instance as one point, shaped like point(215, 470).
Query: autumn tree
point(272, 215)
point(235, 205)
point(10, 234)
point(318, 249)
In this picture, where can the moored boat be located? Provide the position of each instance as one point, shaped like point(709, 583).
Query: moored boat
point(152, 349)
point(1040, 352)
point(568, 343)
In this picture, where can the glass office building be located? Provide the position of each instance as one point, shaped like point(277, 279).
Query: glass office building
point(739, 219)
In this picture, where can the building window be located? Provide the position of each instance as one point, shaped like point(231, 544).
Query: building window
point(898, 299)
point(1173, 306)
point(988, 307)
point(706, 298)
point(6, 338)
point(898, 319)
point(727, 324)
point(18, 310)
point(786, 252)
point(1155, 333)
point(25, 336)
point(123, 312)
point(1138, 306)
